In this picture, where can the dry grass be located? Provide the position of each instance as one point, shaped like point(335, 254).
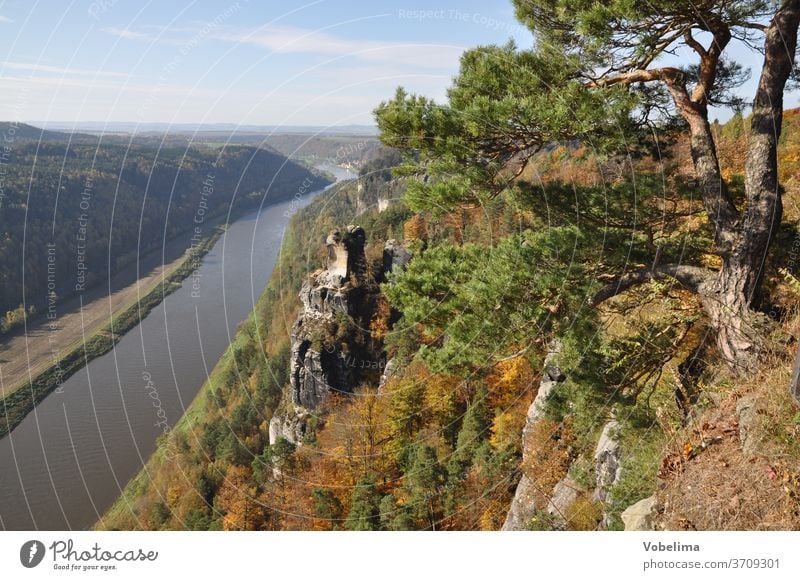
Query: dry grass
point(709, 483)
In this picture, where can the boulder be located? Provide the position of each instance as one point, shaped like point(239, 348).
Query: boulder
point(388, 373)
point(551, 376)
point(395, 255)
point(337, 254)
point(355, 242)
point(346, 252)
point(639, 516)
point(314, 375)
point(331, 347)
point(323, 295)
point(523, 507)
point(608, 466)
point(288, 426)
point(747, 416)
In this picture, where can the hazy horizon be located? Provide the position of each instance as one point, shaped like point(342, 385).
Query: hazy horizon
point(138, 127)
point(301, 63)
point(315, 63)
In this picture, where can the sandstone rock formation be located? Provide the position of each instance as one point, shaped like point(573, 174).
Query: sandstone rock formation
point(388, 372)
point(332, 350)
point(524, 505)
point(563, 496)
point(608, 465)
point(395, 255)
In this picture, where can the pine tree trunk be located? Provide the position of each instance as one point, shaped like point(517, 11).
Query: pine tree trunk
point(730, 315)
point(725, 299)
point(744, 240)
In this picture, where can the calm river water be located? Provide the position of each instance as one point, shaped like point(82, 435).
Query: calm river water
point(70, 458)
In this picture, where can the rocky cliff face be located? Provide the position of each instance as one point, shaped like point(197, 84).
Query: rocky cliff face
point(528, 497)
point(524, 506)
point(332, 350)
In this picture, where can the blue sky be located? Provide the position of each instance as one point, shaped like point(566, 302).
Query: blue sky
point(240, 61)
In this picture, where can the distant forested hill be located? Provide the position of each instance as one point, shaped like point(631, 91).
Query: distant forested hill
point(71, 214)
point(338, 149)
point(12, 132)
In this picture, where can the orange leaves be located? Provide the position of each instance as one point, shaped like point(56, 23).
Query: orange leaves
point(355, 438)
point(729, 173)
point(510, 384)
point(791, 156)
point(174, 494)
point(379, 326)
point(236, 499)
point(415, 228)
point(508, 380)
point(550, 448)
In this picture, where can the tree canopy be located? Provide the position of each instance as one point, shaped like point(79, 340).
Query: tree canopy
point(602, 74)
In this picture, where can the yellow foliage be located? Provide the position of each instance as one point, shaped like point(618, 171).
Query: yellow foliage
point(711, 261)
point(354, 436)
point(550, 445)
point(508, 380)
point(174, 494)
point(379, 326)
point(440, 394)
point(236, 500)
point(493, 517)
point(791, 281)
point(507, 426)
point(728, 173)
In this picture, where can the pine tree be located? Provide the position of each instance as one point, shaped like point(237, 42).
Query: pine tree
point(364, 514)
point(472, 437)
point(424, 486)
point(594, 69)
point(393, 516)
point(327, 506)
point(474, 433)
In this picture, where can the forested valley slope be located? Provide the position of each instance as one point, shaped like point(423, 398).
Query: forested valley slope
point(412, 357)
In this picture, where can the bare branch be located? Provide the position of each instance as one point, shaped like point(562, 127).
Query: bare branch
point(694, 44)
point(691, 277)
point(754, 26)
point(664, 74)
point(709, 63)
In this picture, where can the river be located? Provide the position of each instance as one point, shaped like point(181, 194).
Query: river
point(66, 463)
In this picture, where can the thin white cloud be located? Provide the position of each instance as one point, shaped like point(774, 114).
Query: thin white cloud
point(291, 40)
point(43, 68)
point(128, 34)
point(6, 20)
point(294, 40)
